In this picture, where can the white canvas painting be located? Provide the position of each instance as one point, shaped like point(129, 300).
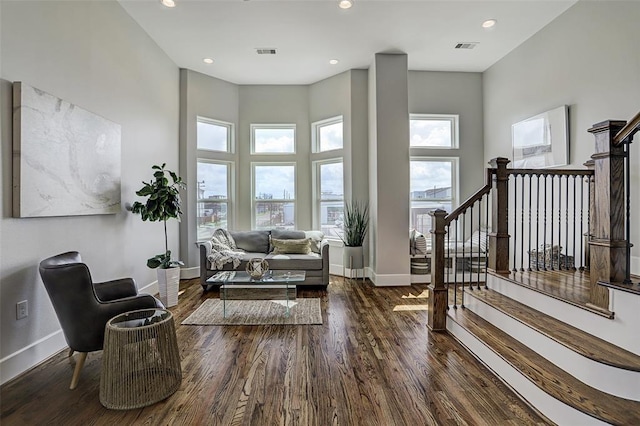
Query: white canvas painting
point(66, 160)
point(541, 141)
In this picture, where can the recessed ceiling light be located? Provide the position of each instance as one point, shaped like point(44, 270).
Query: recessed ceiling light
point(168, 3)
point(489, 23)
point(345, 4)
point(207, 60)
point(333, 61)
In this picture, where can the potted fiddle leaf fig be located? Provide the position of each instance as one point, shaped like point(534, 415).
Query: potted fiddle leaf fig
point(162, 204)
point(355, 227)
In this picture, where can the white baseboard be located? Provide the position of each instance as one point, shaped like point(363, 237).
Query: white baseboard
point(390, 280)
point(28, 357)
point(189, 273)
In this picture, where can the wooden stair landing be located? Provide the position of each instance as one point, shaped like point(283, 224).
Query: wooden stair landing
point(577, 340)
point(548, 377)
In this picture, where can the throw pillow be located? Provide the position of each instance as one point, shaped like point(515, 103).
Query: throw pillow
point(290, 246)
point(315, 240)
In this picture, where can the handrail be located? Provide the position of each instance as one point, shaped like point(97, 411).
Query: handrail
point(629, 129)
point(555, 172)
point(472, 199)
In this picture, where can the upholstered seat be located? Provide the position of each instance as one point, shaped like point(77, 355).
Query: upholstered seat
point(84, 307)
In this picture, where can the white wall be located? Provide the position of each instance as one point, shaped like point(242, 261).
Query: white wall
point(588, 59)
point(94, 55)
point(454, 93)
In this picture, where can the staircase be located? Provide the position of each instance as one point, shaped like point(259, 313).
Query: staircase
point(570, 375)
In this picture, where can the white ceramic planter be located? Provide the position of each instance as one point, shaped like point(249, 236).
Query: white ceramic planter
point(168, 283)
point(353, 257)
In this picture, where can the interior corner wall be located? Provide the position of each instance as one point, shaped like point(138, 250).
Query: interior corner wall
point(273, 104)
point(93, 55)
point(389, 170)
point(586, 58)
point(204, 96)
point(454, 93)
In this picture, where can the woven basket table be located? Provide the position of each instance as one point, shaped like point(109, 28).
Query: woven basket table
point(140, 361)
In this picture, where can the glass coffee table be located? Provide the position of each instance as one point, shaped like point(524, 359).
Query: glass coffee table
point(274, 285)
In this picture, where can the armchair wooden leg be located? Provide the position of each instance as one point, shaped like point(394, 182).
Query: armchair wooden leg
point(76, 373)
point(70, 352)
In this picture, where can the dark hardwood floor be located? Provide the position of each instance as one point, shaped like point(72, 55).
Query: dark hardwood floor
point(372, 362)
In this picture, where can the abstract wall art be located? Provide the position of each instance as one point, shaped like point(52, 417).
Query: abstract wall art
point(66, 160)
point(542, 140)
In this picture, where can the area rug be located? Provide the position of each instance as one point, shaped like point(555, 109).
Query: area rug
point(257, 312)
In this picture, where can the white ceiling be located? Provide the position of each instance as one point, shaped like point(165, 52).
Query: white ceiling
point(308, 33)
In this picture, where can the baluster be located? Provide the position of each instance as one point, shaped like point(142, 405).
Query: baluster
point(515, 223)
point(573, 268)
point(582, 254)
point(538, 217)
point(467, 262)
point(544, 227)
point(530, 210)
point(522, 224)
point(464, 252)
point(453, 263)
point(627, 193)
point(566, 223)
point(486, 237)
point(559, 222)
point(477, 262)
point(448, 251)
point(553, 198)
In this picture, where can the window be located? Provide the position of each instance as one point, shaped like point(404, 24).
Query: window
point(327, 135)
point(329, 202)
point(274, 196)
point(273, 139)
point(213, 135)
point(433, 186)
point(213, 197)
point(433, 131)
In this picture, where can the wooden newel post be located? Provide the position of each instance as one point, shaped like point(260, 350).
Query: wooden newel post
point(437, 316)
point(499, 236)
point(608, 243)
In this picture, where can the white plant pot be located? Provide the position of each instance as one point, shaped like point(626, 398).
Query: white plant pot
point(168, 283)
point(353, 257)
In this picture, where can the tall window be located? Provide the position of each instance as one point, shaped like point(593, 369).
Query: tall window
point(433, 131)
point(433, 186)
point(330, 196)
point(213, 135)
point(274, 196)
point(273, 139)
point(213, 197)
point(327, 135)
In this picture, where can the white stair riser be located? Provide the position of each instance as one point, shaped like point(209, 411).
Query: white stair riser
point(612, 380)
point(621, 331)
point(555, 410)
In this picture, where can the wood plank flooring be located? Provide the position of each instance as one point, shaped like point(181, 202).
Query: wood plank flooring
point(372, 362)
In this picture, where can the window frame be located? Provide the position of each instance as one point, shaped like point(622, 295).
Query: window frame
point(454, 120)
point(255, 126)
point(315, 133)
point(254, 200)
point(455, 190)
point(230, 191)
point(230, 134)
point(317, 191)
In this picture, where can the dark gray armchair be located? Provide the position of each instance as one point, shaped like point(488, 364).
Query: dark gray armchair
point(84, 307)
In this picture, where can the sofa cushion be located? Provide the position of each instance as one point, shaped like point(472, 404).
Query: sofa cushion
point(243, 263)
point(252, 241)
point(294, 262)
point(285, 234)
point(300, 246)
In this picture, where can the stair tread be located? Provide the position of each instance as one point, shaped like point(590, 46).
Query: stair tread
point(547, 376)
point(573, 338)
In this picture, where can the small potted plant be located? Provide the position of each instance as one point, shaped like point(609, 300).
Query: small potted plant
point(355, 227)
point(162, 204)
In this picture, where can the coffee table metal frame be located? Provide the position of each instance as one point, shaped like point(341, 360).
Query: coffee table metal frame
point(274, 285)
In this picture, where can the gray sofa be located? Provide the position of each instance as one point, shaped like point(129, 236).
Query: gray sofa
point(257, 244)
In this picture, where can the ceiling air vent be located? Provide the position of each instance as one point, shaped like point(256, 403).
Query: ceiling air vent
point(266, 51)
point(468, 45)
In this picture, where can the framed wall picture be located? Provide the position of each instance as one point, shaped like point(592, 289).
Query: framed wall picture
point(542, 140)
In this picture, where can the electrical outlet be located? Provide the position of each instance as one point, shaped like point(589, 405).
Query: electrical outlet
point(22, 309)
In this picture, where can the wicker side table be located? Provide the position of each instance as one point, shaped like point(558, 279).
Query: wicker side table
point(140, 362)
